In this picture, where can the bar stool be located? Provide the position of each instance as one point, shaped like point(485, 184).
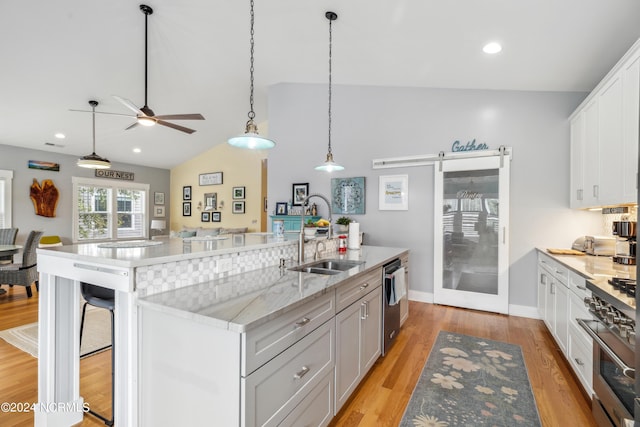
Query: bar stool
point(101, 297)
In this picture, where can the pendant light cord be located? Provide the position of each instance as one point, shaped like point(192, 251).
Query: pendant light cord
point(93, 107)
point(251, 113)
point(330, 43)
point(146, 16)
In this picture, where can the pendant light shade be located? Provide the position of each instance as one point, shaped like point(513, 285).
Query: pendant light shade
point(329, 165)
point(250, 139)
point(93, 161)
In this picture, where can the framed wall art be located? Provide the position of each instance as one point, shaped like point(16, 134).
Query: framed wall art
point(158, 198)
point(299, 193)
point(204, 216)
point(213, 178)
point(394, 193)
point(238, 207)
point(348, 195)
point(238, 192)
point(186, 208)
point(216, 216)
point(281, 208)
point(158, 211)
point(186, 192)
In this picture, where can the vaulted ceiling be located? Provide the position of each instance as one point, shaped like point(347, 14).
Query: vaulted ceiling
point(57, 55)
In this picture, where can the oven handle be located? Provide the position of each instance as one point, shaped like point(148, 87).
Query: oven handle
point(626, 370)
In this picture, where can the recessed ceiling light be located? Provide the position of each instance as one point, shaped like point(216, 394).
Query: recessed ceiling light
point(492, 48)
point(137, 150)
point(60, 135)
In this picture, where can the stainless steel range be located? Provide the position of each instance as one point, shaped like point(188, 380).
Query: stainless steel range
point(614, 338)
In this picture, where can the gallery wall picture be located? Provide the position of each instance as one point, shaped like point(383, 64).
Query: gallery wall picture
point(238, 207)
point(238, 192)
point(186, 192)
point(216, 216)
point(186, 208)
point(204, 216)
point(158, 211)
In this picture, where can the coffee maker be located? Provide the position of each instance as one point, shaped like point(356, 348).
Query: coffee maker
point(625, 232)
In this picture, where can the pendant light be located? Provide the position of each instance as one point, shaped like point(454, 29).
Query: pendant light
point(250, 139)
point(329, 165)
point(93, 161)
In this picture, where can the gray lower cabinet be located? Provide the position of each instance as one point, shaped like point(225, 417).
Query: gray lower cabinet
point(358, 335)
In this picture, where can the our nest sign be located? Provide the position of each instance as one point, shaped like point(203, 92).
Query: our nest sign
point(458, 146)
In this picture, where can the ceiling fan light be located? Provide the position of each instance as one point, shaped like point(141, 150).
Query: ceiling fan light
point(329, 165)
point(146, 121)
point(93, 161)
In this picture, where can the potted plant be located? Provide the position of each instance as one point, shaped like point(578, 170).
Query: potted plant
point(342, 224)
point(310, 228)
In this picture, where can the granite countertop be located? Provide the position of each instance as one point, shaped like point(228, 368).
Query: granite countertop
point(169, 250)
point(244, 301)
point(598, 270)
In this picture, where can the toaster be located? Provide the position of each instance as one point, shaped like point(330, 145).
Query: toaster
point(600, 245)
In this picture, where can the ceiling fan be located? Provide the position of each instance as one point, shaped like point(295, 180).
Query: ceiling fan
point(145, 115)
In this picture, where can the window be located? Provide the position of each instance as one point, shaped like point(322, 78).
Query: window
point(107, 211)
point(6, 178)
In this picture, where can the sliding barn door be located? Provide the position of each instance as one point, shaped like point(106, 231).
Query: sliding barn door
point(471, 266)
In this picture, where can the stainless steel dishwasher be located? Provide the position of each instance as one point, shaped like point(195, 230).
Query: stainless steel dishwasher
point(391, 304)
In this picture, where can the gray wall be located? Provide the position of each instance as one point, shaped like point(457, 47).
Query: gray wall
point(24, 217)
point(379, 122)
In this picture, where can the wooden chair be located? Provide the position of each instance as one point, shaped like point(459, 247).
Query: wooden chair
point(26, 272)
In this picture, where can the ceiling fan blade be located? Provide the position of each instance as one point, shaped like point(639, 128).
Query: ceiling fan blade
point(134, 124)
point(104, 112)
point(130, 105)
point(181, 117)
point(175, 126)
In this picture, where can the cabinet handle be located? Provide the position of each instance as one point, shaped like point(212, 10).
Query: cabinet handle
point(579, 195)
point(504, 235)
point(363, 314)
point(596, 191)
point(582, 288)
point(363, 287)
point(304, 371)
point(553, 290)
point(543, 279)
point(301, 323)
point(579, 362)
point(366, 306)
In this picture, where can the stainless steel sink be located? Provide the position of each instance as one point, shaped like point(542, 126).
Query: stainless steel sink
point(327, 266)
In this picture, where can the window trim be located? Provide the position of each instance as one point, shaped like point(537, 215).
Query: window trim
point(6, 180)
point(114, 186)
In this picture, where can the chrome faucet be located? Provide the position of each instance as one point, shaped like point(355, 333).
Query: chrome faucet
point(301, 238)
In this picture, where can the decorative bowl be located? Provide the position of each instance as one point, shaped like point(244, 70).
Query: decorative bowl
point(310, 231)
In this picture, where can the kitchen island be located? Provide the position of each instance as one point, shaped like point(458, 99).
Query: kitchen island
point(237, 268)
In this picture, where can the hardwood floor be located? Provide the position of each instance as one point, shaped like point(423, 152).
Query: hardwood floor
point(381, 398)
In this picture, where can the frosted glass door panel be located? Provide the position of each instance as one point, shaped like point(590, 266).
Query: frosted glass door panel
point(471, 222)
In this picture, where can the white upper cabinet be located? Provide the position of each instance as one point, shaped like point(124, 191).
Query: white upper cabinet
point(605, 137)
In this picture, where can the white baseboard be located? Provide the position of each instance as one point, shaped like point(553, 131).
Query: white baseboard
point(514, 310)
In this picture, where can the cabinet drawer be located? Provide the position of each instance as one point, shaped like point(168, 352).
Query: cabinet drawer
point(577, 310)
point(578, 285)
point(316, 410)
point(267, 341)
point(581, 360)
point(556, 269)
point(356, 288)
point(270, 393)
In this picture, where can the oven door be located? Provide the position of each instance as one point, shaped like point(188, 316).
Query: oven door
point(613, 376)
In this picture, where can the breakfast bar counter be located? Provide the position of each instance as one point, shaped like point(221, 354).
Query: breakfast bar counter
point(132, 269)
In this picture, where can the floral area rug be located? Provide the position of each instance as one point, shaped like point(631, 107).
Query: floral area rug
point(471, 381)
